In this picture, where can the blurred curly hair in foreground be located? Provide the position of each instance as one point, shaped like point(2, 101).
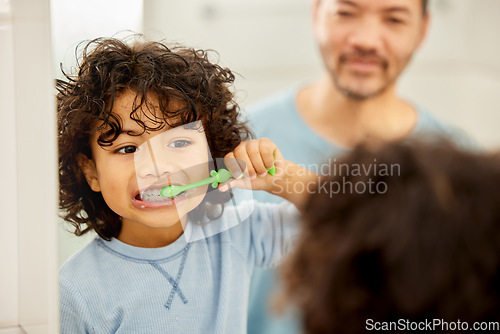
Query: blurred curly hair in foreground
point(428, 248)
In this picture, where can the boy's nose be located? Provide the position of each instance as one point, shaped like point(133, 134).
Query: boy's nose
point(153, 162)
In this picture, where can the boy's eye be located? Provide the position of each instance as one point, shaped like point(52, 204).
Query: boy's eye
point(179, 143)
point(129, 149)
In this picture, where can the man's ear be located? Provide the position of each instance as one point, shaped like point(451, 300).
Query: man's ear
point(314, 15)
point(424, 29)
point(89, 170)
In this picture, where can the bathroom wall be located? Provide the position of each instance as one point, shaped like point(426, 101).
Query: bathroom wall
point(269, 43)
point(28, 280)
point(9, 281)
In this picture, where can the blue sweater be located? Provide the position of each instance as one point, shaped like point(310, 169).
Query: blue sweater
point(185, 287)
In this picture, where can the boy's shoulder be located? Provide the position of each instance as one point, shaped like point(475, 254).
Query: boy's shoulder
point(83, 262)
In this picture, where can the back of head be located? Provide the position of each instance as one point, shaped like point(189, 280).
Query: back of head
point(426, 248)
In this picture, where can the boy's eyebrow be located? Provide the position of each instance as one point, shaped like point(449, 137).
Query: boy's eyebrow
point(128, 132)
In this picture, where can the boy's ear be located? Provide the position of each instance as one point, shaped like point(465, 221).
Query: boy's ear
point(89, 170)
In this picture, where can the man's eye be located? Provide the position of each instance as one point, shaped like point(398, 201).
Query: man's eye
point(179, 143)
point(394, 20)
point(344, 14)
point(129, 149)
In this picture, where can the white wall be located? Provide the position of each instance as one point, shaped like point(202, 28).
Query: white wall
point(28, 204)
point(456, 75)
point(76, 21)
point(9, 286)
point(268, 43)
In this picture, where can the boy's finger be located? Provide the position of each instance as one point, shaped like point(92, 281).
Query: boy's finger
point(240, 183)
point(277, 154)
point(267, 149)
point(241, 153)
point(255, 155)
point(225, 186)
point(278, 161)
point(236, 167)
point(280, 167)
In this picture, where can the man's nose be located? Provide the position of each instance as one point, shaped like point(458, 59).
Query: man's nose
point(366, 35)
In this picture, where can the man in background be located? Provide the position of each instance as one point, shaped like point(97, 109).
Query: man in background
point(365, 46)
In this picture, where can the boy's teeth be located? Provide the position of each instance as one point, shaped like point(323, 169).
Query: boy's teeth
point(152, 195)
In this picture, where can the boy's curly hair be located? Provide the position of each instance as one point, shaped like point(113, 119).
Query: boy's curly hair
point(427, 248)
point(109, 66)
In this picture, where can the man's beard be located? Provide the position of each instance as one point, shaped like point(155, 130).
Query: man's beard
point(355, 94)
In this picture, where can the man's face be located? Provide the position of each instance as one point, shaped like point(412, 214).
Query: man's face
point(366, 44)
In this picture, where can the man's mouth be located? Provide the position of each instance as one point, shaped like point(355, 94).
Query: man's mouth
point(364, 64)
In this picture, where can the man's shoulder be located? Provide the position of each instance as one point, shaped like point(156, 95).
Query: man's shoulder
point(431, 127)
point(428, 122)
point(281, 102)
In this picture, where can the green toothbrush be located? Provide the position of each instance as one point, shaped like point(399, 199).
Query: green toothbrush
point(216, 177)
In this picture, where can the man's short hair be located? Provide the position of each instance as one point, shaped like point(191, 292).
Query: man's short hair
point(424, 6)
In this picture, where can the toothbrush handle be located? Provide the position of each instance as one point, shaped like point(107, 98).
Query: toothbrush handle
point(196, 184)
point(217, 177)
point(272, 170)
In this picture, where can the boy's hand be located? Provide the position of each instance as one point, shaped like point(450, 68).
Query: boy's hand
point(254, 157)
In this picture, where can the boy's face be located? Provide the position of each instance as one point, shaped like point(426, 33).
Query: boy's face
point(131, 172)
point(366, 44)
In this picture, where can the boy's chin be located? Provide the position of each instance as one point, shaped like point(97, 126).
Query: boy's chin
point(165, 222)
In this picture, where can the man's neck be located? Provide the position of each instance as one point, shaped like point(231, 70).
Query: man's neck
point(348, 122)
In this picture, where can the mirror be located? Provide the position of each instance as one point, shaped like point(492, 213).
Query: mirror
point(202, 24)
point(270, 48)
point(267, 58)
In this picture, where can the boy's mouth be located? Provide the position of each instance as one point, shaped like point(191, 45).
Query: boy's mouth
point(151, 198)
